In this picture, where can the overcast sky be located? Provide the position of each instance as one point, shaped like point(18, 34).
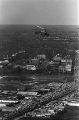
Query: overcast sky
point(54, 12)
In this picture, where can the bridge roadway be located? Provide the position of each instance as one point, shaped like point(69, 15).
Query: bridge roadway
point(65, 89)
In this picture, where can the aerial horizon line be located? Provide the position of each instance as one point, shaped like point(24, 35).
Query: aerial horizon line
point(42, 24)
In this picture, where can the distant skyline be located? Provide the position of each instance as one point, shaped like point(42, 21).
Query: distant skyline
point(47, 12)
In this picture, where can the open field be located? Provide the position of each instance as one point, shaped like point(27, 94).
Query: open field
point(14, 38)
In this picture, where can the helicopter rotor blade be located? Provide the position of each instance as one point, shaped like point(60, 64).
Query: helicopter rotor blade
point(39, 27)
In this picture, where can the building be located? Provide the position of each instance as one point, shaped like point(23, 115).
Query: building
point(66, 64)
point(33, 61)
point(42, 56)
point(30, 67)
point(57, 58)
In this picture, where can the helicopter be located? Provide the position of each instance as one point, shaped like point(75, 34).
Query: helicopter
point(42, 31)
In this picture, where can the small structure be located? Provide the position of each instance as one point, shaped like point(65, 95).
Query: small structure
point(34, 61)
point(30, 67)
point(27, 93)
point(68, 59)
point(4, 62)
point(42, 56)
point(57, 58)
point(68, 68)
point(66, 64)
point(62, 69)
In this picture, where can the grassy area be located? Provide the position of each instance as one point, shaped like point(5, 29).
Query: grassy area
point(14, 38)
